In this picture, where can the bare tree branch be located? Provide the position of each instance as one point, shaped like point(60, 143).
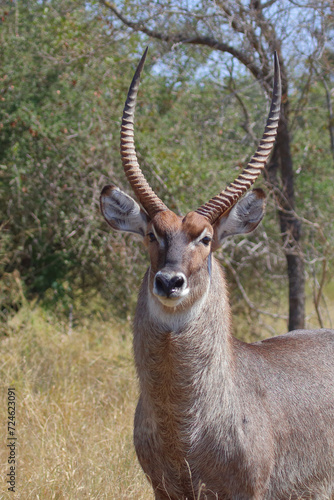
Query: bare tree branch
point(263, 76)
point(245, 296)
point(330, 113)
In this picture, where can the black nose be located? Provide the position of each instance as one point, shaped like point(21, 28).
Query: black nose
point(166, 284)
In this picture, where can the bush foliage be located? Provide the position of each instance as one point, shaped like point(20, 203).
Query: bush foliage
point(64, 77)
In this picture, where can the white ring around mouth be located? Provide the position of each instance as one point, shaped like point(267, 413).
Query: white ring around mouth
point(172, 301)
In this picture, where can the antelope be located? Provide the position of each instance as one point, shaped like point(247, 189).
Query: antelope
point(218, 418)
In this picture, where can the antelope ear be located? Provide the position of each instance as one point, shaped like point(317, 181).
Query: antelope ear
point(243, 218)
point(122, 212)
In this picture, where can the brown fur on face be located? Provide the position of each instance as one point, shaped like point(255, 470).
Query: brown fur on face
point(178, 248)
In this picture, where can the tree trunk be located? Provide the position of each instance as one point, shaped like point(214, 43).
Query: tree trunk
point(289, 223)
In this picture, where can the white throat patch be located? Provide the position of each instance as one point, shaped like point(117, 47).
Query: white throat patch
point(175, 319)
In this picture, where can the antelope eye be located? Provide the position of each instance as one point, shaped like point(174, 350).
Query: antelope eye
point(206, 240)
point(151, 237)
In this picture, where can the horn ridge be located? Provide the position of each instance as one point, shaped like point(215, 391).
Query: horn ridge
point(147, 197)
point(231, 194)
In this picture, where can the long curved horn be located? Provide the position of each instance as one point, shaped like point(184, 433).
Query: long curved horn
point(227, 198)
point(149, 200)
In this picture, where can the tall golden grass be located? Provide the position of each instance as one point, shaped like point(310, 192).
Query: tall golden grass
point(75, 401)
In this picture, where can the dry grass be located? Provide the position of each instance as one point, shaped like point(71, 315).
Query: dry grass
point(75, 400)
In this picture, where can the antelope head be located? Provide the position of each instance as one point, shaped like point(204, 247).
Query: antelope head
point(180, 248)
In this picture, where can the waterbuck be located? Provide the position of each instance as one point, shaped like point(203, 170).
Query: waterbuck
point(218, 418)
